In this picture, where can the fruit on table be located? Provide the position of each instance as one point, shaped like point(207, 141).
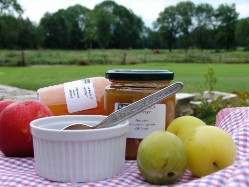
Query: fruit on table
point(184, 126)
point(5, 103)
point(161, 158)
point(15, 136)
point(209, 149)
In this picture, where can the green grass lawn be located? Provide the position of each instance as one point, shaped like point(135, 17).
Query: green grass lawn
point(231, 77)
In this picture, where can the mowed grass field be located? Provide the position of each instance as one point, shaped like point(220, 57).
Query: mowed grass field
point(118, 56)
point(231, 77)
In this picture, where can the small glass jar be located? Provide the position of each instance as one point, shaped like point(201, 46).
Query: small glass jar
point(80, 97)
point(128, 86)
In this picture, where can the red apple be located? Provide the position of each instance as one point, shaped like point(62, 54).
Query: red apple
point(15, 136)
point(5, 103)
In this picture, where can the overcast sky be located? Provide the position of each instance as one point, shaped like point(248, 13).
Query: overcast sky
point(148, 10)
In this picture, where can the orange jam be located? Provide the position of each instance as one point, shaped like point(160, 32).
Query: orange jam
point(128, 86)
point(84, 96)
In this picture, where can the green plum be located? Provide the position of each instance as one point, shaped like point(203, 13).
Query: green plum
point(184, 126)
point(209, 149)
point(162, 158)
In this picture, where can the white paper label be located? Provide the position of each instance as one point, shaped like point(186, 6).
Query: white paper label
point(80, 95)
point(146, 122)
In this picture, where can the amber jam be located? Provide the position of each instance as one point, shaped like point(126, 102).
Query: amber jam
point(128, 86)
point(80, 97)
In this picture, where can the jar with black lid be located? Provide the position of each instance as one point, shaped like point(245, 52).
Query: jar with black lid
point(128, 86)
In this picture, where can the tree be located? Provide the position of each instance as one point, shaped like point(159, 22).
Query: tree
point(128, 28)
point(56, 29)
point(185, 12)
point(27, 34)
point(17, 33)
point(112, 25)
point(153, 39)
point(226, 18)
point(65, 28)
point(9, 24)
point(242, 33)
point(166, 24)
point(9, 31)
point(77, 16)
point(104, 27)
point(101, 24)
point(204, 17)
point(90, 34)
point(10, 7)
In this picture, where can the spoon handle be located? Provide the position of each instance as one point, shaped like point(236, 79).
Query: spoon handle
point(138, 106)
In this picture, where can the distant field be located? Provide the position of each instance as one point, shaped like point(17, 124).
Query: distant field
point(117, 57)
point(231, 77)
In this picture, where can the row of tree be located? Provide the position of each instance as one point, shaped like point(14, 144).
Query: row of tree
point(110, 25)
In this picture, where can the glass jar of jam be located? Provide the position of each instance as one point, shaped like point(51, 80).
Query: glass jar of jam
point(128, 86)
point(80, 97)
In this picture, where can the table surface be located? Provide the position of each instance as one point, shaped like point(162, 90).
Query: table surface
point(21, 171)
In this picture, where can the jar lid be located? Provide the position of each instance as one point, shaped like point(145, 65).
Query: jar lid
point(139, 75)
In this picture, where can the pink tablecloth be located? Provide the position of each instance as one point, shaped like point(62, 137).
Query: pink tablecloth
point(21, 172)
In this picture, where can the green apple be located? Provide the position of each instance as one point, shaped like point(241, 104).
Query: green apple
point(161, 158)
point(209, 149)
point(184, 126)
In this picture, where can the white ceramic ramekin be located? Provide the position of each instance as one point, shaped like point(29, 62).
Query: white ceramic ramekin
point(78, 155)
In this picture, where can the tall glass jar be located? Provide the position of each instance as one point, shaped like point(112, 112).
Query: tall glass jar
point(128, 86)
